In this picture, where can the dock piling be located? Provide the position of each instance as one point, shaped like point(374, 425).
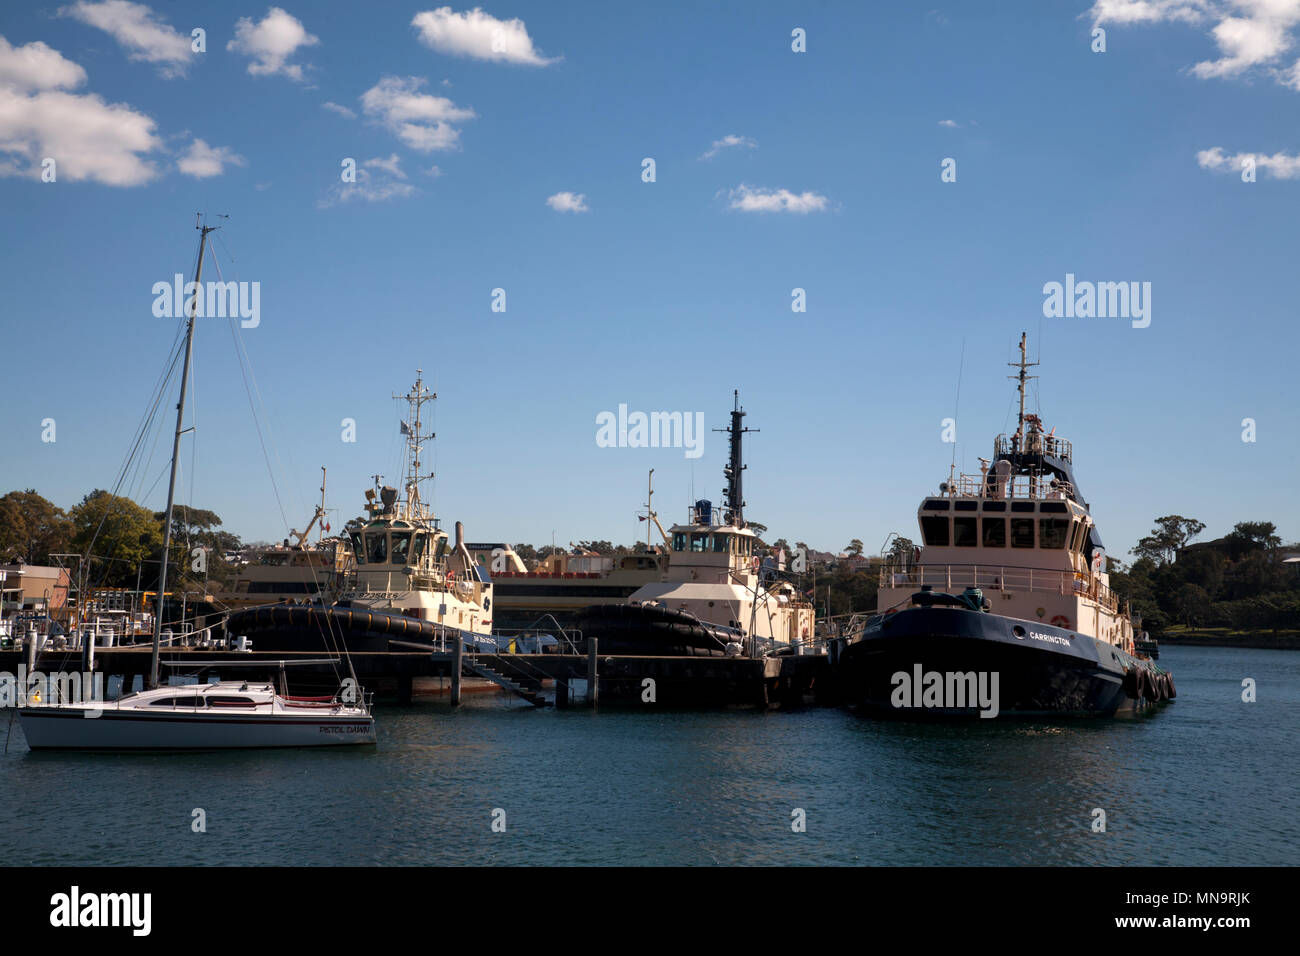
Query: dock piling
point(593, 675)
point(457, 656)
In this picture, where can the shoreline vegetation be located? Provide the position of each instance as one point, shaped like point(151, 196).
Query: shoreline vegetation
point(1240, 590)
point(1226, 637)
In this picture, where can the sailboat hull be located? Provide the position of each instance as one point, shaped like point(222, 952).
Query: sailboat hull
point(70, 728)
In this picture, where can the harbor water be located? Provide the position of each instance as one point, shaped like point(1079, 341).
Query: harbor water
point(1209, 780)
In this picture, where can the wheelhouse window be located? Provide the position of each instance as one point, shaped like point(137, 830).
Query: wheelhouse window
point(964, 534)
point(1022, 532)
point(995, 532)
point(401, 546)
point(722, 542)
point(376, 547)
point(1053, 532)
point(935, 530)
point(358, 552)
point(699, 541)
point(417, 551)
point(679, 541)
point(1076, 536)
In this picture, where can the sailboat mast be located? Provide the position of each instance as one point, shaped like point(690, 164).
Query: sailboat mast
point(176, 450)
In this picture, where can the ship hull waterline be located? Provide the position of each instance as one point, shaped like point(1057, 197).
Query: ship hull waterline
point(1041, 670)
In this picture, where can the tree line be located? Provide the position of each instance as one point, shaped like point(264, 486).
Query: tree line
point(1239, 581)
point(123, 539)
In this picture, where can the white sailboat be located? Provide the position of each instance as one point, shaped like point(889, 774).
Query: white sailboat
point(228, 714)
point(222, 715)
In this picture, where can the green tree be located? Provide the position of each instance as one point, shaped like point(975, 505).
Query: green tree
point(1170, 535)
point(119, 533)
point(32, 528)
point(854, 548)
point(1193, 604)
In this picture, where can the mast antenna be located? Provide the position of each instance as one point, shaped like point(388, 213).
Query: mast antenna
point(1021, 378)
point(415, 439)
point(735, 497)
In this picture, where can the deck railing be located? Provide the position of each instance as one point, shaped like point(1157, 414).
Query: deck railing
point(954, 578)
point(1029, 487)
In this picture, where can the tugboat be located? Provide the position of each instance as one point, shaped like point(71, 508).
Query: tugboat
point(718, 597)
point(1006, 609)
point(412, 587)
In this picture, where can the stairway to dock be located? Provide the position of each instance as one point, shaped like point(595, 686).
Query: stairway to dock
point(527, 688)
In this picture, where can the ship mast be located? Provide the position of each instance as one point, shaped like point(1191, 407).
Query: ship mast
point(1023, 365)
point(735, 498)
point(415, 439)
point(176, 449)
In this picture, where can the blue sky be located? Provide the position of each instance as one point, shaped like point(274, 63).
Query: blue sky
point(664, 295)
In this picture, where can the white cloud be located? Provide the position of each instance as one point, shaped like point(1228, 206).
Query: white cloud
point(136, 28)
point(368, 187)
point(568, 202)
point(1251, 35)
point(434, 171)
point(1279, 165)
point(479, 35)
point(37, 67)
point(727, 142)
point(421, 121)
point(341, 110)
point(203, 161)
point(748, 199)
point(1149, 11)
point(87, 138)
point(271, 42)
point(951, 124)
point(392, 165)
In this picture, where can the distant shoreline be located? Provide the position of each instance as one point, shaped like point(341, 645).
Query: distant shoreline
point(1287, 641)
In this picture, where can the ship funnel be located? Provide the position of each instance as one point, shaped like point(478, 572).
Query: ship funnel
point(460, 534)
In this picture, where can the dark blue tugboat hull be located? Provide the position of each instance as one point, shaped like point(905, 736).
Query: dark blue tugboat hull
point(1042, 670)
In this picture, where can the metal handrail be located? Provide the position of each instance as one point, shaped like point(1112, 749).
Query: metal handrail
point(950, 577)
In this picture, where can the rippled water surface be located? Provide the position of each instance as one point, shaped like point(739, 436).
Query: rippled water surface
point(1209, 780)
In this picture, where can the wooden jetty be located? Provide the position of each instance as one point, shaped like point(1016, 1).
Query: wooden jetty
point(782, 681)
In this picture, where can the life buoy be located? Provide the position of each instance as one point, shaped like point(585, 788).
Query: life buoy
point(1061, 621)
